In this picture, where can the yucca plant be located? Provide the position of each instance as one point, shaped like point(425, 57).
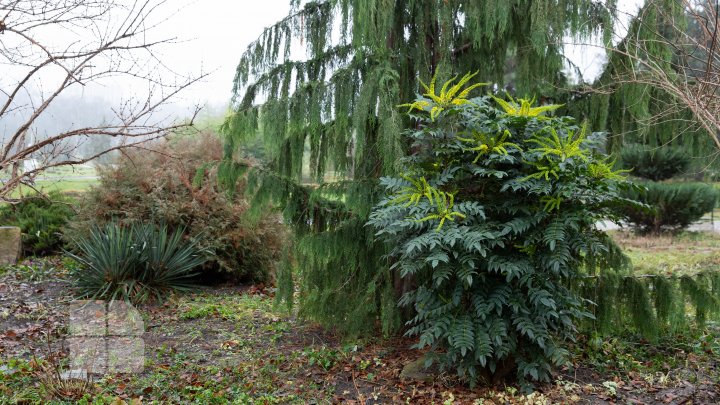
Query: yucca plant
point(167, 260)
point(134, 263)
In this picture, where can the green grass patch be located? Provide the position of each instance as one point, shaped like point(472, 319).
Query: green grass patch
point(66, 179)
point(69, 171)
point(673, 254)
point(50, 185)
point(233, 307)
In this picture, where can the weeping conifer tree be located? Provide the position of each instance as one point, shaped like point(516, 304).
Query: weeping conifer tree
point(331, 127)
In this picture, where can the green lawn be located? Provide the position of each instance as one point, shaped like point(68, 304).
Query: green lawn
point(683, 253)
point(65, 186)
point(70, 171)
point(66, 179)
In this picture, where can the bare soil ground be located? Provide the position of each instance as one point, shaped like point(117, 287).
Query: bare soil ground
point(230, 345)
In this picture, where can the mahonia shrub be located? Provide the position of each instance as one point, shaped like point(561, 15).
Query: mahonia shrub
point(491, 221)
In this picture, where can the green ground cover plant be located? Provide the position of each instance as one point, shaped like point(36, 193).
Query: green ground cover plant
point(42, 220)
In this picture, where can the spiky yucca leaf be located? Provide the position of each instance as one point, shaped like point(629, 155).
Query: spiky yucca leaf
point(108, 257)
point(134, 264)
point(169, 260)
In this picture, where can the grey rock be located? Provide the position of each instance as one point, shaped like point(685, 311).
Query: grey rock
point(10, 244)
point(416, 371)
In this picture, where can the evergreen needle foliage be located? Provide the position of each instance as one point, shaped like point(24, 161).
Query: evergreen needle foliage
point(42, 221)
point(671, 206)
point(331, 126)
point(655, 164)
point(630, 105)
point(134, 263)
point(492, 263)
point(651, 304)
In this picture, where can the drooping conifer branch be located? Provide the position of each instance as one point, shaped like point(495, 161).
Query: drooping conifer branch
point(650, 304)
point(335, 110)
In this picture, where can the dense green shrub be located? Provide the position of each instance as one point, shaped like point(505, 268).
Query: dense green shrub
point(494, 216)
point(668, 206)
point(174, 183)
point(655, 164)
point(41, 220)
point(672, 206)
point(134, 263)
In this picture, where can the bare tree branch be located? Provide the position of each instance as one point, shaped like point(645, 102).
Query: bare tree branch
point(51, 47)
point(691, 74)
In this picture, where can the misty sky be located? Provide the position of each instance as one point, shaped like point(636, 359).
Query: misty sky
point(218, 31)
point(211, 37)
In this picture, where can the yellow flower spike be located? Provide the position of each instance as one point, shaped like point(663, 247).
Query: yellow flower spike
point(431, 88)
point(603, 170)
point(487, 144)
point(441, 200)
point(450, 95)
point(417, 105)
point(444, 203)
point(412, 195)
point(562, 147)
point(466, 92)
point(509, 109)
point(435, 111)
point(443, 92)
point(456, 88)
point(523, 107)
point(544, 171)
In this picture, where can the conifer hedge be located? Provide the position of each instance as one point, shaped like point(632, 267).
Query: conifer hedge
point(655, 164)
point(672, 206)
point(667, 206)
